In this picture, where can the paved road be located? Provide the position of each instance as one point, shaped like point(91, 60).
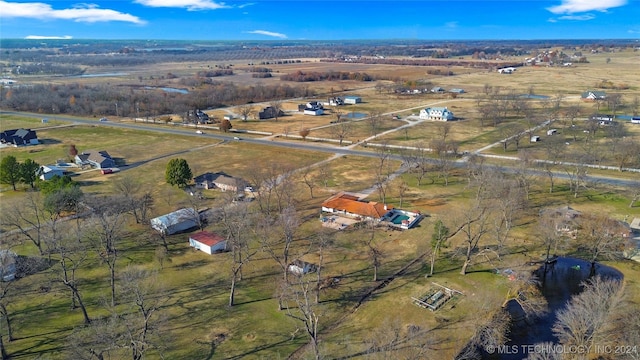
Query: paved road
point(336, 150)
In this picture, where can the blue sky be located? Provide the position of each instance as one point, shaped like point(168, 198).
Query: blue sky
point(321, 20)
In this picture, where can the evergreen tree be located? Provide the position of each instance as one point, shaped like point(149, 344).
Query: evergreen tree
point(178, 173)
point(10, 171)
point(29, 172)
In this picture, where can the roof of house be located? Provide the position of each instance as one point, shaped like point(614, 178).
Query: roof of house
point(207, 238)
point(351, 204)
point(220, 178)
point(95, 156)
point(178, 216)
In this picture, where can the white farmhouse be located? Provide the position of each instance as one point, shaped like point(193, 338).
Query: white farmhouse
point(436, 113)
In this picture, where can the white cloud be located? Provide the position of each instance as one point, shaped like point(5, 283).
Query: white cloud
point(451, 25)
point(579, 6)
point(190, 5)
point(268, 33)
point(79, 13)
point(577, 17)
point(44, 37)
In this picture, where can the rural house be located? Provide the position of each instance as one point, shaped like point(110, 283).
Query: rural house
point(311, 108)
point(350, 205)
point(46, 172)
point(590, 95)
point(436, 113)
point(219, 180)
point(96, 159)
point(269, 112)
point(19, 137)
point(176, 221)
point(208, 242)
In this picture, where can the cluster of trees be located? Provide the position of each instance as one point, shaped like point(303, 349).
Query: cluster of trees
point(301, 76)
point(46, 68)
point(89, 100)
point(13, 172)
point(214, 73)
point(426, 62)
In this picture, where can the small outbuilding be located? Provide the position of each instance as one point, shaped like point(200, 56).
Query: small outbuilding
point(176, 221)
point(534, 138)
point(208, 242)
point(300, 267)
point(352, 100)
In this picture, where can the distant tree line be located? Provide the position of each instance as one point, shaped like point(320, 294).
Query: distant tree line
point(424, 62)
point(301, 76)
point(215, 73)
point(127, 101)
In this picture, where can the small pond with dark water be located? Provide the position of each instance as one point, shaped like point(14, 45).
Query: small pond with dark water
point(561, 280)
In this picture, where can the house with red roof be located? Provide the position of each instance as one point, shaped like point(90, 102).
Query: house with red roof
point(350, 205)
point(208, 242)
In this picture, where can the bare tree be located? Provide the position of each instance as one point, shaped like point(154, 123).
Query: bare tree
point(29, 217)
point(324, 173)
point(375, 122)
point(439, 237)
point(142, 293)
point(236, 222)
point(341, 131)
point(71, 254)
point(402, 187)
point(601, 237)
point(309, 179)
point(245, 111)
point(276, 105)
point(525, 291)
point(583, 321)
point(105, 229)
point(97, 341)
point(277, 237)
point(300, 294)
point(473, 226)
point(374, 251)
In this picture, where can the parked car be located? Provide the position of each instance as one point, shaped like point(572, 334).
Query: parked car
point(106, 171)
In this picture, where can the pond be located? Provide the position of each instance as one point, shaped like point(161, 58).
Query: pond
point(168, 89)
point(355, 115)
point(561, 280)
point(533, 96)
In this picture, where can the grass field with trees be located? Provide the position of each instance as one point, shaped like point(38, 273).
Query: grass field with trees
point(95, 281)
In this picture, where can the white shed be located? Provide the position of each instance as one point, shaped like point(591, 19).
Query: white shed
point(207, 242)
point(352, 100)
point(300, 267)
point(176, 221)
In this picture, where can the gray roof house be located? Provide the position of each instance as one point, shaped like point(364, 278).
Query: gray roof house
point(219, 180)
point(97, 159)
point(590, 95)
point(19, 137)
